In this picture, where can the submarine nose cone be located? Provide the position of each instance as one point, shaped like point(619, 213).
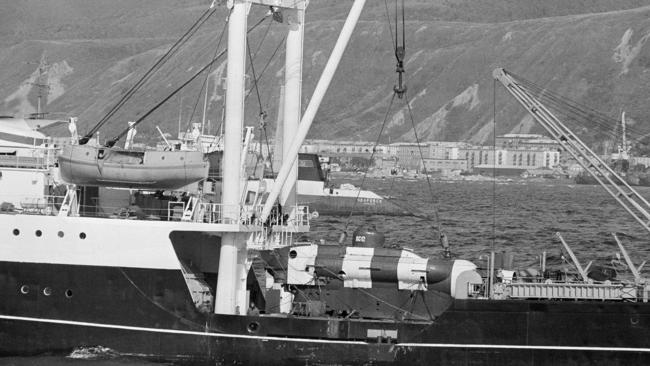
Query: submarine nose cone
point(368, 238)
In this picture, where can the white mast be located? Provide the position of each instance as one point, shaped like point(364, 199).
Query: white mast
point(205, 104)
point(292, 100)
point(278, 150)
point(314, 103)
point(625, 150)
point(232, 269)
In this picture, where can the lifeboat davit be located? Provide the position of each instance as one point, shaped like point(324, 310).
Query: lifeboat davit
point(115, 167)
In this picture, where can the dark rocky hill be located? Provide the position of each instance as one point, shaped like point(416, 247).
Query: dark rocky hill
point(592, 51)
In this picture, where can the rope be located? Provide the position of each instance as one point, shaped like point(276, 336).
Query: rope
point(378, 299)
point(113, 141)
point(494, 173)
point(204, 85)
point(256, 87)
point(577, 112)
point(157, 65)
point(435, 201)
point(262, 112)
point(372, 155)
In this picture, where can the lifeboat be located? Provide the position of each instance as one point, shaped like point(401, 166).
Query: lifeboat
point(115, 167)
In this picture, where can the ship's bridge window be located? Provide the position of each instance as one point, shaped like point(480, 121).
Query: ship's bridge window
point(250, 197)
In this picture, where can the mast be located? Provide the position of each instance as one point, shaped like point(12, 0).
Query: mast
point(292, 99)
point(205, 104)
point(231, 285)
point(624, 154)
point(314, 103)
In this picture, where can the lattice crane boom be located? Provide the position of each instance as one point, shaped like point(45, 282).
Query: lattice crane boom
point(635, 204)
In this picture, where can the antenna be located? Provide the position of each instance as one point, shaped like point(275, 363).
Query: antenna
point(180, 111)
point(42, 85)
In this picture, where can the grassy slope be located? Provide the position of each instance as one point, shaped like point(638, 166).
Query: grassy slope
point(99, 48)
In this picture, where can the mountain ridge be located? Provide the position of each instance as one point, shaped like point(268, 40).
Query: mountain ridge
point(599, 59)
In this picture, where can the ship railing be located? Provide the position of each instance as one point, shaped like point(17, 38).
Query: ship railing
point(35, 205)
point(217, 213)
point(14, 161)
point(298, 215)
point(42, 158)
point(535, 288)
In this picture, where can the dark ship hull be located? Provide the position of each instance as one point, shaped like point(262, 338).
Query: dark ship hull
point(333, 205)
point(633, 179)
point(149, 313)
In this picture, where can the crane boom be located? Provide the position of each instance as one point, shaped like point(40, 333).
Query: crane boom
point(612, 182)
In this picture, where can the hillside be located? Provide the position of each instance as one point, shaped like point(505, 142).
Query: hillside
point(592, 51)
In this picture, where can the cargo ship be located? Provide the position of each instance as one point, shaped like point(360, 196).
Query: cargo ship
point(185, 288)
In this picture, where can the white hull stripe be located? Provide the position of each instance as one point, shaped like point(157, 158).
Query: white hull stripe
point(173, 331)
point(306, 340)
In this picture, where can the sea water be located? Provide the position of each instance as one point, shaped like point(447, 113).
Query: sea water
point(519, 216)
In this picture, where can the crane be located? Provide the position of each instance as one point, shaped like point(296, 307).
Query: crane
point(612, 182)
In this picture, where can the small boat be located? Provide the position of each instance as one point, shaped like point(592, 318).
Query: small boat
point(151, 169)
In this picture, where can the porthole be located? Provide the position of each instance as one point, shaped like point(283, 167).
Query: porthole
point(39, 233)
point(47, 291)
point(24, 289)
point(82, 235)
point(68, 293)
point(293, 254)
point(182, 158)
point(16, 232)
point(253, 327)
point(162, 157)
point(60, 234)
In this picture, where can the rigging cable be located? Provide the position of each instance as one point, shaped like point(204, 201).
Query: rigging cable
point(157, 65)
point(395, 92)
point(115, 139)
point(380, 300)
point(189, 122)
point(494, 173)
point(263, 113)
point(207, 76)
point(575, 111)
point(372, 155)
point(442, 237)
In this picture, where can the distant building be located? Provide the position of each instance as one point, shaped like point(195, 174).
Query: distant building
point(446, 149)
point(640, 160)
point(409, 154)
point(517, 159)
point(516, 140)
point(434, 165)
